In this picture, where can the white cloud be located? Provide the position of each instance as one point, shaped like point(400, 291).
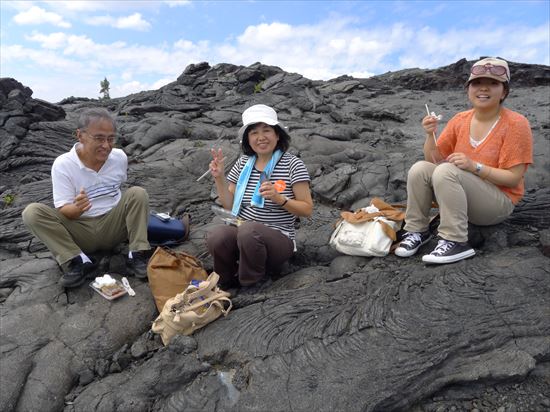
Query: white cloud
point(161, 82)
point(127, 88)
point(100, 21)
point(75, 7)
point(200, 48)
point(135, 86)
point(17, 5)
point(266, 34)
point(49, 41)
point(133, 22)
point(58, 87)
point(45, 59)
point(522, 44)
point(177, 3)
point(79, 5)
point(361, 75)
point(159, 60)
point(332, 48)
point(36, 15)
point(325, 50)
point(319, 51)
point(84, 47)
point(127, 75)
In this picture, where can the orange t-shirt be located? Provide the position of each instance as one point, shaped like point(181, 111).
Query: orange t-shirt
point(509, 144)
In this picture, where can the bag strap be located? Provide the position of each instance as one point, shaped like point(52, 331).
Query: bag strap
point(165, 243)
point(384, 210)
point(186, 227)
point(362, 216)
point(217, 296)
point(193, 317)
point(222, 307)
point(387, 229)
point(212, 282)
point(200, 295)
point(190, 259)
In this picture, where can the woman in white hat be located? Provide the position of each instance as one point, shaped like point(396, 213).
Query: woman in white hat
point(474, 171)
point(266, 189)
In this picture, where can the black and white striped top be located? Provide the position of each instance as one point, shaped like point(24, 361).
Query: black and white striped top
point(291, 170)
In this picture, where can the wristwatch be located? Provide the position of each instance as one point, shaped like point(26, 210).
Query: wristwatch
point(479, 167)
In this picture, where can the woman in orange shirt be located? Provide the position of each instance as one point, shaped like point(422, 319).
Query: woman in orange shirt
point(474, 171)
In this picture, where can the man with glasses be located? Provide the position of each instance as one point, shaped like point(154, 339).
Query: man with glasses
point(91, 213)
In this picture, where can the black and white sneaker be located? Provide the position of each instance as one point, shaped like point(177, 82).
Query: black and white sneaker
point(411, 243)
point(448, 251)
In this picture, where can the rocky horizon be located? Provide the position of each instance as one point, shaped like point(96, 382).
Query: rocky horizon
point(333, 332)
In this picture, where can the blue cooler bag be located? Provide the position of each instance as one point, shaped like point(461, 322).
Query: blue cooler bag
point(166, 231)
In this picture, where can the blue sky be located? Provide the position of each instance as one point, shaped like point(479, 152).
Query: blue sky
point(65, 48)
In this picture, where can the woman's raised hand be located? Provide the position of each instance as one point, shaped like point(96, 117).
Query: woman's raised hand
point(217, 164)
point(429, 123)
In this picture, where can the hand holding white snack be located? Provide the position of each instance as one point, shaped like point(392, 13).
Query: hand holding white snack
point(437, 116)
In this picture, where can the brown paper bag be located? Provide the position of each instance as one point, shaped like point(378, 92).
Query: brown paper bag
point(170, 273)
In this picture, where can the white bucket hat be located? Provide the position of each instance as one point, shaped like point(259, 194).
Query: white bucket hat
point(260, 113)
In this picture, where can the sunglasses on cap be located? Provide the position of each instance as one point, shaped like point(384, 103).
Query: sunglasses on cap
point(495, 70)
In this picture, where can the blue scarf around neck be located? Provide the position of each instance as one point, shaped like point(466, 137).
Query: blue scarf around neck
point(257, 199)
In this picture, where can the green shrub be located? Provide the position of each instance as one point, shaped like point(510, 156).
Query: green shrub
point(258, 87)
point(9, 199)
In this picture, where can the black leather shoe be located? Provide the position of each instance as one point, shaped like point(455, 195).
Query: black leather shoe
point(137, 266)
point(76, 272)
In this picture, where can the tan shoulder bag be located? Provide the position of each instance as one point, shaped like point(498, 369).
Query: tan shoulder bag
point(196, 307)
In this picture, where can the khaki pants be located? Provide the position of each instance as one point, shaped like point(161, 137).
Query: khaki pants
point(66, 238)
point(462, 197)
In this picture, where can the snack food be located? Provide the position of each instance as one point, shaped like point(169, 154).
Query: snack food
point(280, 186)
point(112, 290)
point(108, 287)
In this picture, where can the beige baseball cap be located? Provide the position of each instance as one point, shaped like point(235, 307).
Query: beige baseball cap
point(492, 68)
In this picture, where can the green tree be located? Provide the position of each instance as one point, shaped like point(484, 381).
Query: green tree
point(105, 89)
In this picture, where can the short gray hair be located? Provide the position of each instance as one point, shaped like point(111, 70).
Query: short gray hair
point(93, 115)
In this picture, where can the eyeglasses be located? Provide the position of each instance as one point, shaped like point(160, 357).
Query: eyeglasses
point(496, 70)
point(101, 138)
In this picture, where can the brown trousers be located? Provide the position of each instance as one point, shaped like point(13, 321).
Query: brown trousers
point(248, 252)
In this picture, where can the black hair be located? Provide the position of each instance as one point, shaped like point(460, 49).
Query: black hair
point(506, 86)
point(282, 144)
